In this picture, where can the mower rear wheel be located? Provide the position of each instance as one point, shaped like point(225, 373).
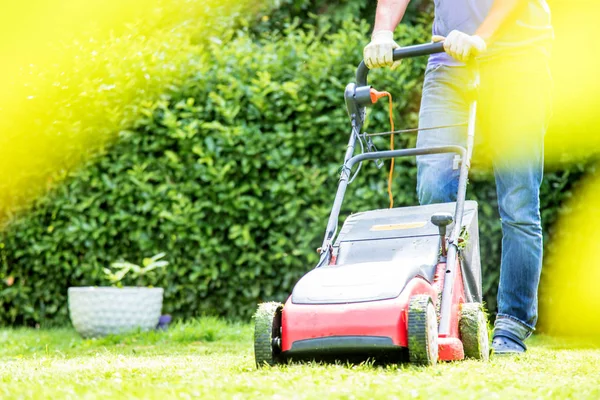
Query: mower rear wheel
point(474, 331)
point(267, 334)
point(422, 331)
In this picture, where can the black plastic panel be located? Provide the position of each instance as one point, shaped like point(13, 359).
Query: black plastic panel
point(343, 343)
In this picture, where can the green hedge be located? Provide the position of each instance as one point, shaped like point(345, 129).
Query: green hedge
point(232, 174)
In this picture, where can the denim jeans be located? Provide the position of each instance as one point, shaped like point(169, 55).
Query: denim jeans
point(512, 115)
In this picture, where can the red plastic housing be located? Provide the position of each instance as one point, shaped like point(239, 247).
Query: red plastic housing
point(384, 318)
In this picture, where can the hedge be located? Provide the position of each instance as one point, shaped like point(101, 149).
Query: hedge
point(232, 174)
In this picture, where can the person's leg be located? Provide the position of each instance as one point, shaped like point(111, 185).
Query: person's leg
point(516, 96)
point(518, 201)
point(442, 103)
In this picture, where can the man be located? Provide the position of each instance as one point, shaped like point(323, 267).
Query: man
point(509, 42)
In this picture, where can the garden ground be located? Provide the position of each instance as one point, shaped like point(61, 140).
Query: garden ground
point(210, 358)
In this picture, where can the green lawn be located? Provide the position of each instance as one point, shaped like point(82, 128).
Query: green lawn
point(212, 359)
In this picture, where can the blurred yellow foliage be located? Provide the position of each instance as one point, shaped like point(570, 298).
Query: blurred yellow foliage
point(571, 299)
point(575, 126)
point(573, 133)
point(74, 73)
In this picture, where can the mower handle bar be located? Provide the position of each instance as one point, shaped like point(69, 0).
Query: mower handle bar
point(399, 54)
point(386, 154)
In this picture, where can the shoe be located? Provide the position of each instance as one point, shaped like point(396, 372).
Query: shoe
point(507, 343)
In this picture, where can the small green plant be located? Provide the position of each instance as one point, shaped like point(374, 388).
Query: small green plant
point(135, 272)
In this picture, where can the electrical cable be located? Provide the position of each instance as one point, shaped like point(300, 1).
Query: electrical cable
point(412, 130)
point(391, 173)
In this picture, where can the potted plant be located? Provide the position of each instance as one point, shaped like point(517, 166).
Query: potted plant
point(99, 311)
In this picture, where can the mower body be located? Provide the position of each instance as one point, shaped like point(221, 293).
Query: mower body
point(359, 302)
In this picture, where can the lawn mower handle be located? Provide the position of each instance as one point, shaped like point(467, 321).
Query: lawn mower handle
point(358, 96)
point(399, 54)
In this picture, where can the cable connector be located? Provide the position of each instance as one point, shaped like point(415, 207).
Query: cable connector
point(376, 95)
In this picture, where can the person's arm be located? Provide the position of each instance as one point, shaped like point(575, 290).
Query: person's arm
point(461, 46)
point(379, 52)
point(389, 13)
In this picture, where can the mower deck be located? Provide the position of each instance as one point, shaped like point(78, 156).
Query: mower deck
point(383, 259)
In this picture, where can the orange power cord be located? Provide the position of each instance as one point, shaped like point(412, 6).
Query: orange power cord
point(376, 95)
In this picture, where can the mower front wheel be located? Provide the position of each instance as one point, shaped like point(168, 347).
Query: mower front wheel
point(474, 331)
point(422, 331)
point(267, 334)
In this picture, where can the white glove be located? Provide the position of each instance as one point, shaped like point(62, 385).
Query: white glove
point(379, 53)
point(461, 46)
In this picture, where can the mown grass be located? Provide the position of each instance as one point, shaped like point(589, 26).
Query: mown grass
point(210, 358)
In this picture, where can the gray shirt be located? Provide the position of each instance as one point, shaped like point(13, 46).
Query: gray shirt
point(531, 29)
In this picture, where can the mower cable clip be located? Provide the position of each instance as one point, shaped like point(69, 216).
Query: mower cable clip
point(372, 149)
point(356, 132)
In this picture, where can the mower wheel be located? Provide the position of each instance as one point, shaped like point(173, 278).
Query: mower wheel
point(474, 331)
point(422, 331)
point(267, 334)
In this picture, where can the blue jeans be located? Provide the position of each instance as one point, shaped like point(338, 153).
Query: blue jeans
point(513, 109)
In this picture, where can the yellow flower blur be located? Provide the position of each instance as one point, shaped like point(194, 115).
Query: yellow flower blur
point(571, 299)
point(75, 73)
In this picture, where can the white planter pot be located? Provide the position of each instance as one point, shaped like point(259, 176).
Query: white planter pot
point(100, 311)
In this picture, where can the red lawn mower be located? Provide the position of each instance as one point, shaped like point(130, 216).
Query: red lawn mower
point(398, 283)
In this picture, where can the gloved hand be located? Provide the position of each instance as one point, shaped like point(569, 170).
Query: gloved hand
point(461, 46)
point(379, 53)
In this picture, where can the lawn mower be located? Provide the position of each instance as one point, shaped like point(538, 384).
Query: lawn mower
point(399, 283)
